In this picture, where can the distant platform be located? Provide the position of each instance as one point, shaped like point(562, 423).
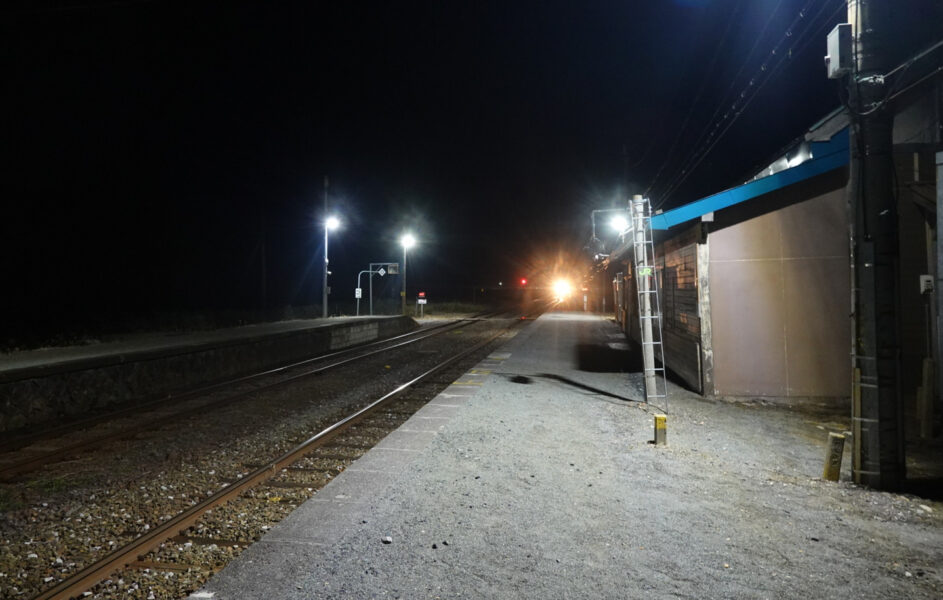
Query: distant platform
point(51, 383)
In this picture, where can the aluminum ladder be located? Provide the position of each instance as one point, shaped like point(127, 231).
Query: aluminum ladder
point(649, 307)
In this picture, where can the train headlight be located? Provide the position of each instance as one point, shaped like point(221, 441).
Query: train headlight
point(562, 288)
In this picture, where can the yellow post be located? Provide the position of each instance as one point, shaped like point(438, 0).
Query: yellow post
point(661, 430)
point(833, 456)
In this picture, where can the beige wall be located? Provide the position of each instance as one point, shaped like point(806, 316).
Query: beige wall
point(779, 301)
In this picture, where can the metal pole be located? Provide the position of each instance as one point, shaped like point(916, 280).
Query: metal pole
point(361, 293)
point(324, 279)
point(324, 286)
point(403, 292)
point(938, 288)
point(374, 269)
point(879, 416)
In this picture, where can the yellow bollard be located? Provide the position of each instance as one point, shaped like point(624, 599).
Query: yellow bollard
point(833, 456)
point(661, 430)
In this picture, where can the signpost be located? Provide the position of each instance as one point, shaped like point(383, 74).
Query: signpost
point(421, 301)
point(380, 269)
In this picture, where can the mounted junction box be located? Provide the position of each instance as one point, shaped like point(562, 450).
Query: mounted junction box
point(838, 62)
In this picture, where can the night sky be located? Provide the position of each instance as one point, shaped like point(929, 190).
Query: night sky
point(156, 151)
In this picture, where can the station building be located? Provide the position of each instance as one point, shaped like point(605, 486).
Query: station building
point(755, 282)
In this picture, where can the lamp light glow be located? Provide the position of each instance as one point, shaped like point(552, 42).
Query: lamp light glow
point(619, 223)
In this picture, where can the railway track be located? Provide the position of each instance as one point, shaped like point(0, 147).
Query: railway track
point(182, 550)
point(163, 411)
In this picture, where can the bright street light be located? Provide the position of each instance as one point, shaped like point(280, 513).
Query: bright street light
point(619, 223)
point(330, 224)
point(408, 241)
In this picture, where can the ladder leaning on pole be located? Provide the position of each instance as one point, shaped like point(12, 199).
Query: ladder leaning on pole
point(649, 307)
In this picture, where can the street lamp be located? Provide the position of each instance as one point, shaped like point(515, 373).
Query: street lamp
point(408, 241)
point(330, 224)
point(619, 223)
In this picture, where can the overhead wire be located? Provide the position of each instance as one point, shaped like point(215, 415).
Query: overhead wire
point(714, 124)
point(745, 98)
point(697, 97)
point(750, 92)
point(894, 89)
point(724, 98)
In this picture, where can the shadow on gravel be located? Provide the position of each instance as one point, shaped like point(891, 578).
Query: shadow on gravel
point(607, 358)
point(583, 386)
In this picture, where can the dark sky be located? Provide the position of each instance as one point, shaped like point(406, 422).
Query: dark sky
point(154, 148)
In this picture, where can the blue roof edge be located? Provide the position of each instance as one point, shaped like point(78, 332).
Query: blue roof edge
point(825, 157)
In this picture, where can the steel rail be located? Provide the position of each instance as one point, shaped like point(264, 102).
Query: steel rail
point(31, 463)
point(130, 553)
point(24, 440)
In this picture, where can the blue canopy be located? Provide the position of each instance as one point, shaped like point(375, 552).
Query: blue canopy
point(825, 157)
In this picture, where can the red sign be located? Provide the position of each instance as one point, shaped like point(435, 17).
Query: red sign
point(422, 294)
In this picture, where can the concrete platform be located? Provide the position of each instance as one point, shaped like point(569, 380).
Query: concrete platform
point(532, 476)
point(40, 385)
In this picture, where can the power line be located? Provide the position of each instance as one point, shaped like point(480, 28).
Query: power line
point(736, 109)
point(730, 88)
point(697, 99)
point(752, 89)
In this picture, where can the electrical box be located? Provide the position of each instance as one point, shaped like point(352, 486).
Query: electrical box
point(838, 62)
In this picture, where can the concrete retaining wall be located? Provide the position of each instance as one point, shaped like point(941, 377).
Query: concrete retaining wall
point(42, 393)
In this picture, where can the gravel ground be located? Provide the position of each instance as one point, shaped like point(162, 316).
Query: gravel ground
point(56, 521)
point(544, 485)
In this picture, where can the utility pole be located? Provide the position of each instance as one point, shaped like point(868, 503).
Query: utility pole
point(877, 409)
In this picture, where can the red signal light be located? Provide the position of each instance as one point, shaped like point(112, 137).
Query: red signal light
point(422, 294)
point(523, 281)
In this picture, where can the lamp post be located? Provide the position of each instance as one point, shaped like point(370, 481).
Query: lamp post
point(408, 241)
point(619, 222)
point(382, 271)
point(330, 224)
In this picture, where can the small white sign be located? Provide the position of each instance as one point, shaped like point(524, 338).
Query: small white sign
point(358, 293)
point(382, 271)
point(421, 300)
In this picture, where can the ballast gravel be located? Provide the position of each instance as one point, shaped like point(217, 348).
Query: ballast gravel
point(543, 485)
point(68, 515)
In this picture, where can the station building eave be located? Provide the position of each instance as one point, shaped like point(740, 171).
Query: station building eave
point(825, 156)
